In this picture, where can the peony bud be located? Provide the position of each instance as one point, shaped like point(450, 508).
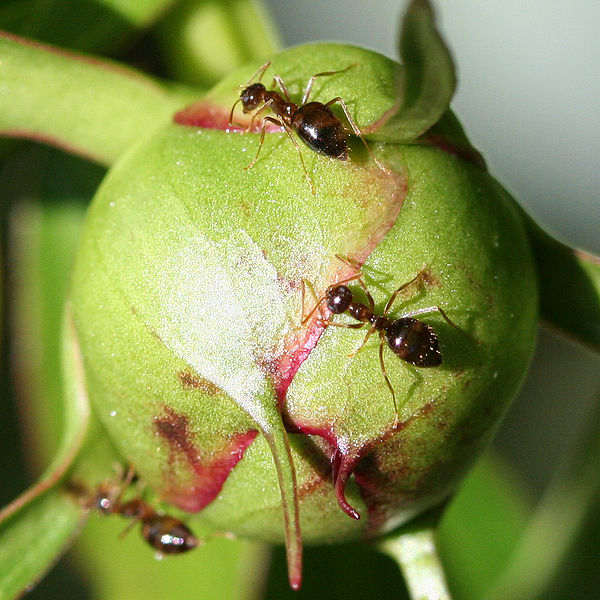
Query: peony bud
point(196, 275)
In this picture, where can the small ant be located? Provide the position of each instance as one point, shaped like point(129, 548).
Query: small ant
point(314, 122)
point(410, 339)
point(164, 533)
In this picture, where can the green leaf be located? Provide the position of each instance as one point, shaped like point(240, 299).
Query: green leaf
point(449, 135)
point(569, 286)
point(78, 103)
point(75, 424)
point(33, 537)
point(477, 534)
point(481, 527)
point(86, 26)
point(426, 78)
point(46, 219)
point(570, 500)
point(44, 516)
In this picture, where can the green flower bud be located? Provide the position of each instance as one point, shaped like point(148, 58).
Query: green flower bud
point(196, 275)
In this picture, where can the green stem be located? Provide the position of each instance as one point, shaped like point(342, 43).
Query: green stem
point(415, 552)
point(79, 103)
point(240, 29)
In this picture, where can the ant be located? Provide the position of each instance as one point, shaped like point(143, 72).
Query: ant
point(164, 533)
point(314, 122)
point(410, 339)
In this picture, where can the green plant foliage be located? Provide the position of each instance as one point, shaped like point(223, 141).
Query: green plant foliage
point(88, 107)
point(88, 26)
point(53, 515)
point(187, 348)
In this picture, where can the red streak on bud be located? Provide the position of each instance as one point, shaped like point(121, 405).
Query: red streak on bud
point(212, 116)
point(466, 153)
point(203, 114)
point(343, 464)
point(286, 365)
point(209, 471)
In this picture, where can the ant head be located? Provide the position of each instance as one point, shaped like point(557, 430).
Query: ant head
point(252, 96)
point(338, 298)
point(104, 499)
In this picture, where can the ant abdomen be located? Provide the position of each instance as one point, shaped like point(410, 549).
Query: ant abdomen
point(321, 130)
point(414, 341)
point(167, 534)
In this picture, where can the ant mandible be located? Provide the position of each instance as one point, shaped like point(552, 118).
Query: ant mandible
point(164, 533)
point(410, 339)
point(314, 122)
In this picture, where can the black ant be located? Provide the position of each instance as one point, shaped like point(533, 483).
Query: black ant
point(164, 533)
point(411, 339)
point(314, 122)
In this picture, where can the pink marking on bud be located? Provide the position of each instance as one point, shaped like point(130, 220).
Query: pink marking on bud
point(209, 470)
point(206, 115)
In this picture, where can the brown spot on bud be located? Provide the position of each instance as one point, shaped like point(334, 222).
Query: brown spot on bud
point(191, 380)
point(208, 469)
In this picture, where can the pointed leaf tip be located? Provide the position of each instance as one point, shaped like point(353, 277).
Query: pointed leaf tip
point(426, 78)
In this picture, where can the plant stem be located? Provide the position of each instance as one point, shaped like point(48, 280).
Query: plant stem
point(415, 553)
point(87, 106)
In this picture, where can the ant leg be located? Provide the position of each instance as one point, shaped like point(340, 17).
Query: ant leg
point(367, 336)
point(129, 476)
point(350, 262)
point(311, 81)
point(126, 479)
point(385, 376)
point(349, 279)
point(230, 122)
point(314, 308)
point(345, 326)
point(359, 277)
point(282, 87)
point(260, 144)
point(357, 131)
point(370, 300)
point(290, 133)
point(258, 75)
point(262, 136)
point(262, 109)
point(393, 297)
point(129, 527)
point(430, 309)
